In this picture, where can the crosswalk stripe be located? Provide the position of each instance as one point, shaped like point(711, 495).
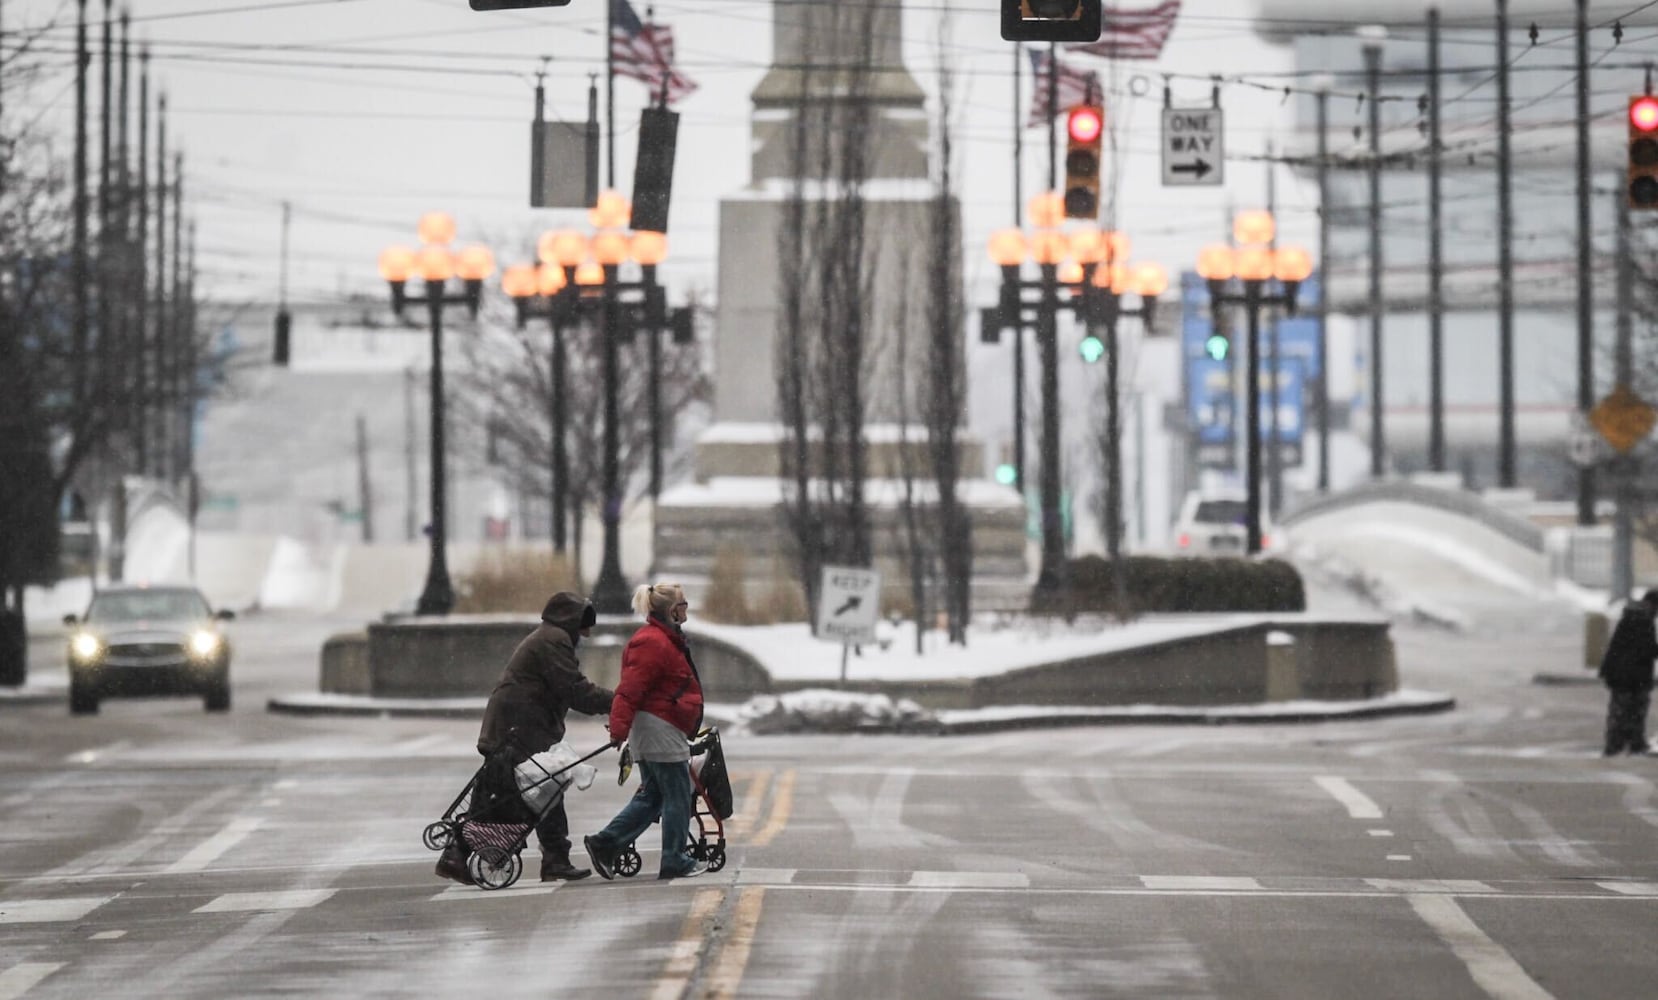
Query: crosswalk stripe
point(49, 911)
point(294, 899)
point(1215, 883)
point(1631, 888)
point(21, 978)
point(512, 892)
point(1460, 886)
point(970, 880)
point(209, 850)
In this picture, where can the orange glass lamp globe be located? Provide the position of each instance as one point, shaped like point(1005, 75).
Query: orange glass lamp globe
point(1088, 245)
point(1116, 246)
point(590, 274)
point(648, 248)
point(1007, 247)
point(610, 211)
point(396, 263)
point(519, 281)
point(1254, 228)
point(564, 247)
point(1069, 272)
point(1150, 280)
point(1292, 264)
point(1255, 263)
point(475, 263)
point(549, 279)
point(437, 228)
point(610, 248)
point(1217, 262)
point(1111, 277)
point(1049, 246)
point(434, 263)
point(1046, 210)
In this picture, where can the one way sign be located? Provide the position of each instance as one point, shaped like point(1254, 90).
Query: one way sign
point(1194, 147)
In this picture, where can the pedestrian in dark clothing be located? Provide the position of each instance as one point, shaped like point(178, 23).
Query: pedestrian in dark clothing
point(1627, 670)
point(658, 708)
point(542, 681)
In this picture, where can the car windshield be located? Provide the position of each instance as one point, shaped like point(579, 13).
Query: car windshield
point(147, 605)
point(1221, 512)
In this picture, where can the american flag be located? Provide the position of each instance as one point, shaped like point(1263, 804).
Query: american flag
point(1133, 34)
point(1074, 87)
point(645, 52)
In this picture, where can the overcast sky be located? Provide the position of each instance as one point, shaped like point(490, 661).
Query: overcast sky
point(365, 113)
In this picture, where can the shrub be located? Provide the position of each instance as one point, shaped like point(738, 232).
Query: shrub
point(726, 599)
point(1178, 585)
point(782, 600)
point(504, 580)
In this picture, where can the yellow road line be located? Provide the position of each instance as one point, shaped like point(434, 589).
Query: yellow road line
point(740, 824)
point(733, 957)
point(682, 960)
point(781, 805)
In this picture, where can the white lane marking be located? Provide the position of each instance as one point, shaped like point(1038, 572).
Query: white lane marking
point(1398, 857)
point(472, 892)
point(1380, 833)
point(270, 802)
point(1214, 883)
point(1460, 886)
point(766, 876)
point(293, 899)
point(109, 935)
point(286, 783)
point(1493, 968)
point(20, 979)
point(209, 850)
point(969, 880)
point(95, 754)
point(1358, 805)
point(416, 744)
point(49, 911)
point(1631, 888)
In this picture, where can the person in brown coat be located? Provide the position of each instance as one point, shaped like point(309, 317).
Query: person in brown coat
point(541, 683)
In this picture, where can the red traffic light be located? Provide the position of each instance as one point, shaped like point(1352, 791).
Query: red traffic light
point(1086, 122)
point(1643, 113)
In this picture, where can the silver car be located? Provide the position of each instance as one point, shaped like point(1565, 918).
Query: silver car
point(138, 641)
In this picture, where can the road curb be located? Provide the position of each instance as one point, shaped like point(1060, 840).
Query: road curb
point(1565, 680)
point(1420, 703)
point(31, 695)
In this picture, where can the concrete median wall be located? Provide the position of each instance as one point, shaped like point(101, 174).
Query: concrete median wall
point(1262, 661)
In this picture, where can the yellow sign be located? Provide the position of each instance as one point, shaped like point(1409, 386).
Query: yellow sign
point(1623, 418)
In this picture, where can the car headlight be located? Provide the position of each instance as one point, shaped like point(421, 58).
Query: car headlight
point(85, 646)
point(204, 643)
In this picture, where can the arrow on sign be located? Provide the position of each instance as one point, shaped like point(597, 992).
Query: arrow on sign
point(1200, 168)
point(850, 605)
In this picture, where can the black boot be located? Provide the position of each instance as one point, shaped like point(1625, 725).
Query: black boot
point(452, 865)
point(557, 868)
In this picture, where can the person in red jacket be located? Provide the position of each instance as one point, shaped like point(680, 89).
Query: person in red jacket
point(658, 708)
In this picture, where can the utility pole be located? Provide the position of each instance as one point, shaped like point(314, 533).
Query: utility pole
point(1275, 457)
point(1018, 333)
point(1323, 119)
point(365, 484)
point(107, 363)
point(1436, 262)
point(1505, 264)
point(82, 277)
point(163, 349)
point(1585, 276)
point(1623, 527)
point(1053, 115)
point(141, 271)
point(411, 485)
point(180, 390)
point(1373, 85)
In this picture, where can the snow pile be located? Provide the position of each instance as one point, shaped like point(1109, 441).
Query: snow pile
point(820, 710)
point(1334, 571)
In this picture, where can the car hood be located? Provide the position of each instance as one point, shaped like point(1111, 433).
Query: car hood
point(146, 631)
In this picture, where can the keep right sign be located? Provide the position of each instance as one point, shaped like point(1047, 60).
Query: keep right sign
point(1194, 147)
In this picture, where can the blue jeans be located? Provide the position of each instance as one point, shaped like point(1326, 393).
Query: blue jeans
point(664, 793)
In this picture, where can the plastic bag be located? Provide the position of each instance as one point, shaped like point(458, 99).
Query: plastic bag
point(549, 773)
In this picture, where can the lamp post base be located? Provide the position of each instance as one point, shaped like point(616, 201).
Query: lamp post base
point(437, 599)
point(611, 593)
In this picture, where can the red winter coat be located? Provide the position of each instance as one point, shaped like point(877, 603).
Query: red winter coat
point(657, 677)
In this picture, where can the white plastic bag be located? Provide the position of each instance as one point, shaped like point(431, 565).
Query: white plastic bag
point(543, 775)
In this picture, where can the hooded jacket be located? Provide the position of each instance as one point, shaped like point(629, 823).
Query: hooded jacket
point(657, 677)
point(1631, 650)
point(542, 681)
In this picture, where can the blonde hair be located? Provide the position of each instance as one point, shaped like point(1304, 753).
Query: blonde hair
point(657, 599)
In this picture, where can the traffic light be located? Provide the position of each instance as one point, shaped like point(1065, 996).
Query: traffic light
point(1218, 346)
point(1642, 191)
point(1084, 127)
point(1052, 20)
point(1091, 348)
point(516, 4)
point(653, 169)
point(284, 330)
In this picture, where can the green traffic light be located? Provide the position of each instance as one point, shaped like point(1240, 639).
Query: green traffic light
point(1217, 346)
point(1005, 474)
point(1092, 349)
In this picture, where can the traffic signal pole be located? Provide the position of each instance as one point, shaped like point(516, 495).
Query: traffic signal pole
point(1585, 284)
point(1505, 263)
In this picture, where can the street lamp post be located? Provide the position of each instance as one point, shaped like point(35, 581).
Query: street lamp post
point(1253, 263)
point(576, 268)
point(1089, 265)
point(435, 264)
